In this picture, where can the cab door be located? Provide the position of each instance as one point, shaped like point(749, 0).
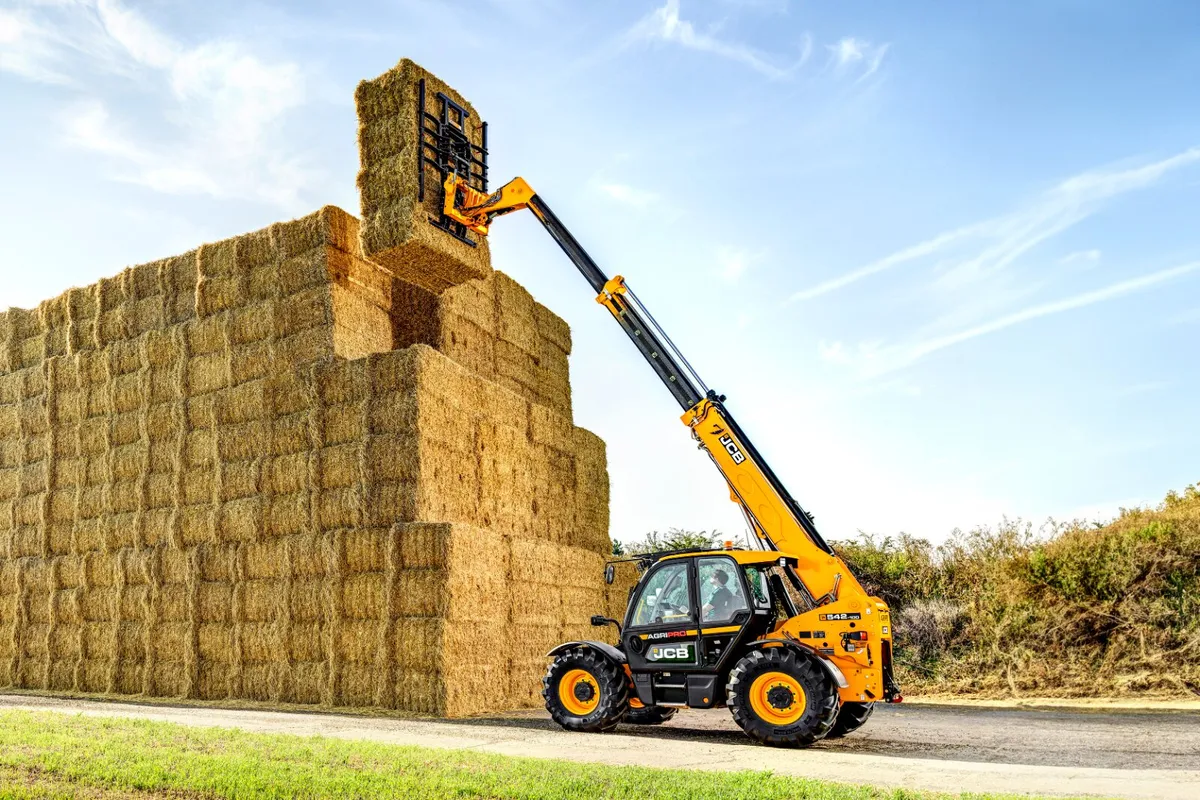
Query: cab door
point(661, 637)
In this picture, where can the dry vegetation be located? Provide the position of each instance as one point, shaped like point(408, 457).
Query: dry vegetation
point(1086, 610)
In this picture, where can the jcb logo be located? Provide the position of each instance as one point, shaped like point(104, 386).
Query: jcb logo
point(681, 652)
point(731, 447)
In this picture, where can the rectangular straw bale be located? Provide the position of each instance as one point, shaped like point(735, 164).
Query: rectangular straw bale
point(239, 480)
point(591, 491)
point(307, 681)
point(361, 327)
point(174, 602)
point(306, 601)
point(395, 224)
point(308, 308)
point(358, 685)
point(338, 508)
point(418, 643)
point(304, 641)
point(554, 380)
point(340, 230)
point(298, 236)
point(257, 679)
point(169, 679)
point(240, 520)
point(259, 601)
point(213, 680)
point(243, 442)
point(357, 640)
point(414, 314)
point(308, 554)
point(468, 343)
point(303, 270)
point(247, 402)
point(308, 346)
point(517, 369)
point(366, 550)
point(516, 317)
point(287, 514)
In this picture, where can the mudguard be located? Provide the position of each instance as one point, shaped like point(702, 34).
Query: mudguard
point(835, 674)
point(610, 652)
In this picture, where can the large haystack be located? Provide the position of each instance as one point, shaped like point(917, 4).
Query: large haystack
point(278, 468)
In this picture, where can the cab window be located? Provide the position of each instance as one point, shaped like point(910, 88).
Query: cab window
point(666, 597)
point(756, 579)
point(721, 595)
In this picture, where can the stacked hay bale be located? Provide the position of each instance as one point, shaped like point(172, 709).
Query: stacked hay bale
point(276, 469)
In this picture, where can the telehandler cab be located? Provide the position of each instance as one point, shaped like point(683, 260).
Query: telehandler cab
point(784, 635)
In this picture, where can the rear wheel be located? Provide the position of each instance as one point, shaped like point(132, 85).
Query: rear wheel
point(649, 715)
point(779, 697)
point(850, 718)
point(584, 691)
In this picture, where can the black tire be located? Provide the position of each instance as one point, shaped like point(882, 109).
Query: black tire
point(850, 718)
point(820, 697)
point(649, 715)
point(605, 680)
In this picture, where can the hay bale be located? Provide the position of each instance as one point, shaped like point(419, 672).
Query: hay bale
point(396, 232)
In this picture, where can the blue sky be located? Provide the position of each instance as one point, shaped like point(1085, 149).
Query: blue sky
point(943, 258)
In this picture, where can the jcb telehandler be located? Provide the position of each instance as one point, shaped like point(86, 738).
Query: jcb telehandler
point(783, 635)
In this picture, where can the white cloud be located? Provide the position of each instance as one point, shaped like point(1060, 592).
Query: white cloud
point(1006, 238)
point(1081, 257)
point(872, 359)
point(629, 195)
point(1146, 387)
point(211, 113)
point(733, 262)
point(665, 24)
point(850, 53)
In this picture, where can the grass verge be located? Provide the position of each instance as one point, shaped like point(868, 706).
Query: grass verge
point(47, 755)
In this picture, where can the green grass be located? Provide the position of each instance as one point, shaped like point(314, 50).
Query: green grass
point(46, 755)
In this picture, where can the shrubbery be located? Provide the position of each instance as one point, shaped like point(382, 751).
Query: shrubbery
point(1075, 609)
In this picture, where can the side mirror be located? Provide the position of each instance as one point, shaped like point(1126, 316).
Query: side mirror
point(610, 573)
point(599, 621)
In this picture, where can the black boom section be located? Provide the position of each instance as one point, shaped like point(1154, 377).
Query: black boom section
point(657, 352)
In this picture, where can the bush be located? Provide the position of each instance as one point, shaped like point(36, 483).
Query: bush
point(1075, 609)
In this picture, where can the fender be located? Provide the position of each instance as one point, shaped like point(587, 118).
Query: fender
point(613, 654)
point(835, 674)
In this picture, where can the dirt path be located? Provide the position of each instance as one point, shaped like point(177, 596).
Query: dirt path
point(953, 749)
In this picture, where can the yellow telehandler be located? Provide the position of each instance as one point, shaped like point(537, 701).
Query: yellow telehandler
point(784, 635)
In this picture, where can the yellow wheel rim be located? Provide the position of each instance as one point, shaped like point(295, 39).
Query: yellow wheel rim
point(777, 698)
point(579, 693)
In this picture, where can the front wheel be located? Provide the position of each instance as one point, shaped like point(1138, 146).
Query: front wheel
point(851, 716)
point(781, 698)
point(584, 691)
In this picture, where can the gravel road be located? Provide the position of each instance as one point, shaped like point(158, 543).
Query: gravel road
point(942, 748)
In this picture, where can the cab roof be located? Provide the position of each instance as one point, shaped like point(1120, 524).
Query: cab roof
point(743, 557)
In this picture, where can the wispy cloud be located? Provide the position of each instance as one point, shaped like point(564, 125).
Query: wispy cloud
point(665, 25)
point(732, 262)
point(1002, 240)
point(851, 53)
point(216, 107)
point(1081, 258)
point(1146, 387)
point(875, 359)
point(629, 195)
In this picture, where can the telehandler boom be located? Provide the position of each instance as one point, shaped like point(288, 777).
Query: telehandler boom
point(784, 635)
